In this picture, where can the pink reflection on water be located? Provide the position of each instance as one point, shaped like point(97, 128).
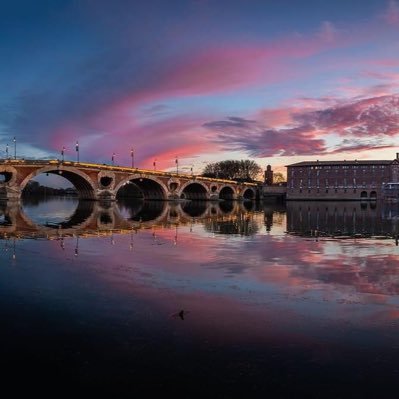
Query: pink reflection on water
point(283, 287)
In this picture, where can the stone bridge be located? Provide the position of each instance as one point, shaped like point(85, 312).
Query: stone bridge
point(97, 182)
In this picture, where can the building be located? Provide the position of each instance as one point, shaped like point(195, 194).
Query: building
point(340, 180)
point(269, 176)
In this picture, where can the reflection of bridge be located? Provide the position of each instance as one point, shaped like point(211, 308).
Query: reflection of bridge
point(94, 218)
point(95, 181)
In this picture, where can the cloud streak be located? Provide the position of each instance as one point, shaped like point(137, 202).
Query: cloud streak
point(305, 132)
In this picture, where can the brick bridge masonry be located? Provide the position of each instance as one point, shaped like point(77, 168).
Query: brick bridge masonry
point(98, 182)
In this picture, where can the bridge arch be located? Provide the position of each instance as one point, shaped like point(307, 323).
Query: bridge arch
point(249, 193)
point(142, 186)
point(79, 179)
point(227, 192)
point(194, 190)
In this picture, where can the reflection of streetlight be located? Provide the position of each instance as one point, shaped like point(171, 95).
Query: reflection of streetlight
point(175, 240)
point(77, 246)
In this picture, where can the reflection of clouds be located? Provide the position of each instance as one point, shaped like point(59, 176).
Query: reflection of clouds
point(51, 211)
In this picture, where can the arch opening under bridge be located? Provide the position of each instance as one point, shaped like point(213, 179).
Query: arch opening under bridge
point(249, 194)
point(140, 187)
point(194, 191)
point(227, 193)
point(79, 180)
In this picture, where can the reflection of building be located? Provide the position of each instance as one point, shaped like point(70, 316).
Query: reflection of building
point(340, 180)
point(346, 218)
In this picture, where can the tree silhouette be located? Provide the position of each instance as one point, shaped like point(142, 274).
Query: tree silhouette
point(244, 170)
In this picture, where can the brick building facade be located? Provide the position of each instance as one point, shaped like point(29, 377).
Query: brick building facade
point(340, 180)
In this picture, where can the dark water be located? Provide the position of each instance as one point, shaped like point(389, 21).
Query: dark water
point(229, 300)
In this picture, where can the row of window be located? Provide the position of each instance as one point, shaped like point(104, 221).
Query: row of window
point(336, 190)
point(328, 183)
point(336, 171)
point(318, 167)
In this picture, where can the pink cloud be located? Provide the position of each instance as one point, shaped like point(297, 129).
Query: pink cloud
point(362, 124)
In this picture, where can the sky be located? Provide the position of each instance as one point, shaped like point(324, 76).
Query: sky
point(277, 82)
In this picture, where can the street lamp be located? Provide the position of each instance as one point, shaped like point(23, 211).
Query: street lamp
point(7, 151)
point(77, 150)
point(132, 156)
point(177, 165)
point(15, 148)
point(113, 158)
point(155, 164)
point(62, 153)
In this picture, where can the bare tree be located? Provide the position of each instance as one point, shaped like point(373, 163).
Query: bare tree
point(278, 177)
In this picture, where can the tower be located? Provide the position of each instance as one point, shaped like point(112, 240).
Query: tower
point(268, 175)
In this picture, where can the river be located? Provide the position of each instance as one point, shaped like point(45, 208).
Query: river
point(217, 300)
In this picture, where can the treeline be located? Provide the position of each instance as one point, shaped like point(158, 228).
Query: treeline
point(244, 170)
point(34, 188)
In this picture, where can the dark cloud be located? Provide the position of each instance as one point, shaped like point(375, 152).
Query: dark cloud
point(374, 118)
point(243, 134)
point(376, 115)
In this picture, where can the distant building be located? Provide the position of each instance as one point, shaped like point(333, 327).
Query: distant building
point(340, 180)
point(268, 175)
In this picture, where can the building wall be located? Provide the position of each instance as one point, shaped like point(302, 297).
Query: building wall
point(337, 181)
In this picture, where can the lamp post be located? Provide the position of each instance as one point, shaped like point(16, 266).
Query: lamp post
point(113, 158)
point(132, 156)
point(177, 165)
point(7, 151)
point(15, 148)
point(62, 153)
point(77, 150)
point(155, 164)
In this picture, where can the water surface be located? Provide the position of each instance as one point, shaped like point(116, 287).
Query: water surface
point(227, 300)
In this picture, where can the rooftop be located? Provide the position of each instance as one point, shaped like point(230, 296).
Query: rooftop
point(350, 162)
